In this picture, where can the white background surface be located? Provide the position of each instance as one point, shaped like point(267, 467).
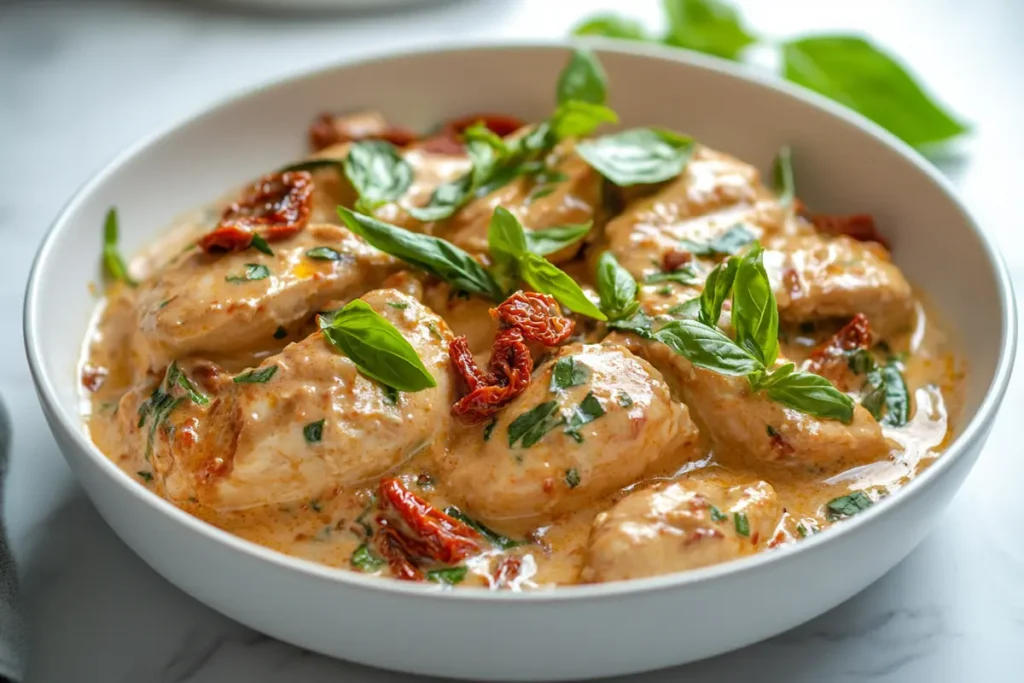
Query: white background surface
point(81, 80)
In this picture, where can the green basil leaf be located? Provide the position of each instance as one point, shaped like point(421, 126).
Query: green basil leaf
point(587, 411)
point(548, 279)
point(479, 132)
point(506, 239)
point(684, 276)
point(707, 347)
point(710, 26)
point(639, 324)
point(112, 260)
point(256, 376)
point(742, 524)
point(568, 373)
point(638, 156)
point(861, 76)
point(175, 377)
point(377, 171)
point(260, 244)
point(616, 287)
point(376, 347)
point(612, 26)
point(531, 426)
point(280, 332)
point(624, 399)
point(572, 477)
point(847, 506)
point(577, 119)
point(812, 394)
point(582, 79)
point(364, 560)
point(785, 181)
point(253, 271)
point(489, 428)
point(495, 539)
point(315, 165)
point(550, 240)
point(717, 515)
point(446, 199)
point(896, 395)
point(755, 315)
point(717, 289)
point(688, 310)
point(448, 576)
point(323, 254)
point(435, 256)
point(860, 362)
point(313, 432)
point(145, 476)
point(728, 243)
point(776, 376)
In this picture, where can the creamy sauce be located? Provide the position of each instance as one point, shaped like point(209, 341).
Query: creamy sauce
point(329, 526)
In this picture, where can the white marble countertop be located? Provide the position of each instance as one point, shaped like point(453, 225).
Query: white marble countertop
point(81, 80)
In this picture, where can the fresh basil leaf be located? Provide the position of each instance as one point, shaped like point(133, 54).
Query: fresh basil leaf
point(364, 560)
point(688, 310)
point(531, 426)
point(313, 432)
point(639, 323)
point(145, 476)
point(728, 243)
point(548, 279)
point(889, 400)
point(256, 376)
point(716, 514)
point(260, 244)
point(495, 539)
point(812, 394)
point(582, 79)
point(612, 26)
point(489, 428)
point(717, 289)
point(115, 265)
point(638, 156)
point(176, 377)
point(376, 347)
point(852, 71)
point(315, 165)
point(323, 254)
point(755, 315)
point(847, 506)
point(742, 524)
point(446, 199)
point(684, 276)
point(449, 576)
point(253, 271)
point(860, 362)
point(550, 240)
point(377, 171)
point(616, 287)
point(785, 181)
point(280, 332)
point(579, 119)
point(435, 256)
point(479, 132)
point(773, 378)
point(568, 373)
point(624, 399)
point(587, 411)
point(572, 477)
point(707, 347)
point(506, 239)
point(710, 26)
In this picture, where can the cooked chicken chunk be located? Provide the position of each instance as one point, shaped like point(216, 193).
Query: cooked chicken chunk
point(605, 420)
point(216, 306)
point(817, 276)
point(714, 193)
point(302, 424)
point(695, 522)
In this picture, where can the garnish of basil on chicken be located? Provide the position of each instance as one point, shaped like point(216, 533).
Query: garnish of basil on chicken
point(616, 288)
point(113, 262)
point(639, 156)
point(755, 318)
point(376, 347)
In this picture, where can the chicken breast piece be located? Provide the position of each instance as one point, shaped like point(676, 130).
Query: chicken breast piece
point(303, 423)
point(749, 428)
point(605, 420)
point(695, 522)
point(216, 306)
point(817, 277)
point(714, 193)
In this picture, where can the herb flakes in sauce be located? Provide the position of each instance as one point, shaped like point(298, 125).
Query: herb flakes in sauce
point(112, 259)
point(493, 537)
point(253, 271)
point(256, 376)
point(587, 411)
point(742, 524)
point(145, 476)
point(531, 426)
point(323, 254)
point(572, 477)
point(260, 244)
point(489, 429)
point(729, 243)
point(567, 373)
point(363, 559)
point(717, 515)
point(847, 506)
point(280, 332)
point(624, 399)
point(448, 576)
point(314, 431)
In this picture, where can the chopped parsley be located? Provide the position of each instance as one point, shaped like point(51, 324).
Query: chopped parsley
point(572, 477)
point(666, 290)
point(260, 244)
point(489, 429)
point(364, 560)
point(162, 402)
point(145, 476)
point(253, 271)
point(280, 332)
point(390, 394)
point(772, 432)
point(256, 376)
point(315, 505)
point(717, 515)
point(323, 254)
point(400, 305)
point(448, 576)
point(847, 506)
point(567, 372)
point(801, 530)
point(314, 431)
point(587, 411)
point(741, 523)
point(624, 399)
point(531, 426)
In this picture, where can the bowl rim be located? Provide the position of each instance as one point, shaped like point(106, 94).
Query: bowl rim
point(976, 427)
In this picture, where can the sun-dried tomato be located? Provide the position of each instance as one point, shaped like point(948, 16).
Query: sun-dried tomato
point(507, 571)
point(389, 542)
point(328, 129)
point(93, 376)
point(449, 139)
point(464, 364)
point(276, 206)
point(674, 259)
point(832, 358)
point(537, 316)
point(426, 532)
point(859, 226)
point(510, 368)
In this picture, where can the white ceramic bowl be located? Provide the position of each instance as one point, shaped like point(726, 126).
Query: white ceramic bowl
point(843, 163)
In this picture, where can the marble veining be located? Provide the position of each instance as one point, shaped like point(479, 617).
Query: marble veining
point(79, 81)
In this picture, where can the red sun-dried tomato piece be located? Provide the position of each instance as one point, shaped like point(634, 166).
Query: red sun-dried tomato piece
point(510, 367)
point(426, 531)
point(328, 130)
point(859, 226)
point(389, 542)
point(831, 359)
point(537, 316)
point(449, 139)
point(276, 206)
point(507, 571)
point(674, 259)
point(465, 365)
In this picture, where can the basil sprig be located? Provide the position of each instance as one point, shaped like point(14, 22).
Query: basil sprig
point(377, 172)
point(436, 256)
point(785, 183)
point(638, 156)
point(582, 79)
point(550, 240)
point(887, 399)
point(847, 69)
point(376, 347)
point(508, 245)
point(616, 287)
point(755, 317)
point(112, 260)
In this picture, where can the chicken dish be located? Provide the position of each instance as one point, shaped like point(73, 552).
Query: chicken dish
point(516, 355)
